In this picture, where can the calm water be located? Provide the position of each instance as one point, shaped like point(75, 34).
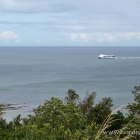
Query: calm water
point(30, 75)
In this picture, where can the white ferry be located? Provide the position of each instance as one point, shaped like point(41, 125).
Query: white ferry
point(106, 56)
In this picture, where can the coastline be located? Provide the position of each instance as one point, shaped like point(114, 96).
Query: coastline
point(10, 111)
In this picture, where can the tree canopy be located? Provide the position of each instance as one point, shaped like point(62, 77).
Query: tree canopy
point(75, 119)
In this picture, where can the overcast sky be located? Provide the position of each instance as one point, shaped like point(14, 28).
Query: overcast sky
point(69, 22)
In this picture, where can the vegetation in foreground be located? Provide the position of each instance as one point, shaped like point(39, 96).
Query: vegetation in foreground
point(75, 119)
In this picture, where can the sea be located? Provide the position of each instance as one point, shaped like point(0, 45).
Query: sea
point(31, 75)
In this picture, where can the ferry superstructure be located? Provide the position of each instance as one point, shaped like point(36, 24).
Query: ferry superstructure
point(106, 56)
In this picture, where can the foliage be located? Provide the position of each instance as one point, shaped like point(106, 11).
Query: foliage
point(74, 119)
point(72, 96)
point(1, 108)
point(87, 104)
point(101, 110)
point(119, 121)
point(134, 113)
point(134, 108)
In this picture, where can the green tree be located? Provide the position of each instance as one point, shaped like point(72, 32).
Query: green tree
point(101, 110)
point(72, 96)
point(1, 109)
point(118, 121)
point(87, 105)
point(134, 108)
point(71, 120)
point(5, 130)
point(53, 120)
point(134, 113)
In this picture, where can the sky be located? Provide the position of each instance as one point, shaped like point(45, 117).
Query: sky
point(69, 22)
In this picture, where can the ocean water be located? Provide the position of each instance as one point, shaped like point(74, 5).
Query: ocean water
point(30, 75)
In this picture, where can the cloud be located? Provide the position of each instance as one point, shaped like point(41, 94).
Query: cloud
point(90, 21)
point(79, 37)
point(86, 37)
point(92, 6)
point(8, 35)
point(71, 27)
point(16, 6)
point(129, 35)
point(36, 6)
point(102, 36)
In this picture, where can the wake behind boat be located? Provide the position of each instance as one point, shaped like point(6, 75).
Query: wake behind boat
point(106, 56)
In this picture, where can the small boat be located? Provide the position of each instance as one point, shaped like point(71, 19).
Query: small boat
point(106, 56)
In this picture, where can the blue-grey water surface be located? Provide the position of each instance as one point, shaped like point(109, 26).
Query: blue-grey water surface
point(30, 75)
